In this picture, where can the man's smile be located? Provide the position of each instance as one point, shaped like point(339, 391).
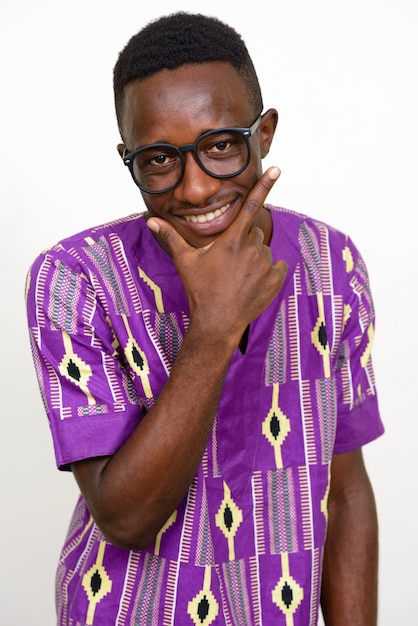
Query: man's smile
point(206, 217)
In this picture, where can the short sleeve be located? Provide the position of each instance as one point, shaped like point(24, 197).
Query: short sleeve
point(89, 398)
point(359, 420)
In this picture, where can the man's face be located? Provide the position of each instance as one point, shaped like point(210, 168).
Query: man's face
point(178, 106)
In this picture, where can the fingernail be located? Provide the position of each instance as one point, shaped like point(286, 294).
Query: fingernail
point(274, 173)
point(154, 226)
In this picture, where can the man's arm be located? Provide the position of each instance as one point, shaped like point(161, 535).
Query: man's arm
point(229, 283)
point(349, 584)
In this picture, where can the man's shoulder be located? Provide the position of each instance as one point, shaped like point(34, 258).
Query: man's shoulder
point(312, 243)
point(127, 230)
point(284, 216)
point(298, 226)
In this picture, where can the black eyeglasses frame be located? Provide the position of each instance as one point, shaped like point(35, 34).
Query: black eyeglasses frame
point(129, 158)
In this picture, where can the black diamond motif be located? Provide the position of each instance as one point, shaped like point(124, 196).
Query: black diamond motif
point(73, 370)
point(137, 358)
point(287, 595)
point(203, 609)
point(322, 335)
point(275, 426)
point(96, 582)
point(228, 518)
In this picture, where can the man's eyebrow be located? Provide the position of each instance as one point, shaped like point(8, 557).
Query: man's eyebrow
point(201, 132)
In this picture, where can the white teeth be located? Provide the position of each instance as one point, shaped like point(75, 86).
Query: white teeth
point(206, 217)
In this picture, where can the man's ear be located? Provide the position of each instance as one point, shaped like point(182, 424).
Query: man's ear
point(267, 129)
point(121, 149)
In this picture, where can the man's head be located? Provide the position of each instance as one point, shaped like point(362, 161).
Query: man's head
point(189, 111)
point(180, 39)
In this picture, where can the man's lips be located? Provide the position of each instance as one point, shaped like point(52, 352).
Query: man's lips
point(205, 218)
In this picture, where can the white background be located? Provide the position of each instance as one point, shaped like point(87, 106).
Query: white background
point(344, 79)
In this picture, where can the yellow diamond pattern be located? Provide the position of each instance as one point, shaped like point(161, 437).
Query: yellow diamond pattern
point(287, 594)
point(96, 583)
point(74, 369)
point(204, 608)
point(228, 520)
point(319, 336)
point(276, 426)
point(137, 359)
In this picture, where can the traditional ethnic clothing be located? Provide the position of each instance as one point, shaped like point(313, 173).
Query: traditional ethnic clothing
point(107, 315)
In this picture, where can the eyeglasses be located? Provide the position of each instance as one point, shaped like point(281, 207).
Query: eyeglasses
point(222, 153)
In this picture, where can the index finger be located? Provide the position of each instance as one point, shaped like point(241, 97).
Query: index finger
point(255, 200)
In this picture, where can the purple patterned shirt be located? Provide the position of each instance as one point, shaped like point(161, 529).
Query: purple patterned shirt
point(107, 315)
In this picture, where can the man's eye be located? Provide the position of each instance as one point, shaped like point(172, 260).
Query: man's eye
point(220, 146)
point(160, 159)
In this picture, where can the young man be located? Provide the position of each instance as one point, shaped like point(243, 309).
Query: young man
point(206, 368)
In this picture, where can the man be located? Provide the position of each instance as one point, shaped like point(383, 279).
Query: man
point(206, 368)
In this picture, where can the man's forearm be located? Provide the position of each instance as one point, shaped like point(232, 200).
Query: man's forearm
point(350, 572)
point(133, 493)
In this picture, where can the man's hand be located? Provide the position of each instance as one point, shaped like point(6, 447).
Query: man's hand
point(232, 280)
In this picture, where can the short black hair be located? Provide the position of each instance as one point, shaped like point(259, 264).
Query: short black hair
point(178, 39)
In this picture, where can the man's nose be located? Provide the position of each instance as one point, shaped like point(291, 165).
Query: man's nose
point(196, 186)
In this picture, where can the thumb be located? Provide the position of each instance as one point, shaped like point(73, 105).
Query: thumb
point(281, 267)
point(167, 235)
